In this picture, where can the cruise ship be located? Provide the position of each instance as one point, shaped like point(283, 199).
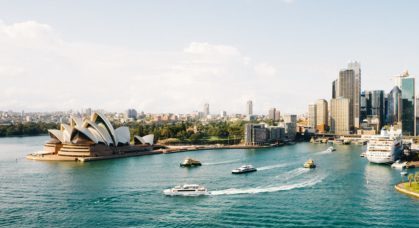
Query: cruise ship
point(385, 148)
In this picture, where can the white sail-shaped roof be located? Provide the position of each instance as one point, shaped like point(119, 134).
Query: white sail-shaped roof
point(66, 130)
point(149, 139)
point(75, 121)
point(96, 134)
point(56, 134)
point(86, 132)
point(102, 131)
point(139, 140)
point(99, 119)
point(123, 135)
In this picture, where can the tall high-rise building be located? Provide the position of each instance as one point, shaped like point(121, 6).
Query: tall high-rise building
point(272, 114)
point(394, 106)
point(346, 89)
point(339, 116)
point(356, 102)
point(408, 106)
point(375, 105)
point(363, 107)
point(206, 109)
point(249, 108)
point(312, 116)
point(334, 86)
point(417, 115)
point(322, 115)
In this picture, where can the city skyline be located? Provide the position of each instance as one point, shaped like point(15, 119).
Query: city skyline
point(130, 63)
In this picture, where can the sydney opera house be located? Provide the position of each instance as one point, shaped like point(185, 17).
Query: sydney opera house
point(94, 137)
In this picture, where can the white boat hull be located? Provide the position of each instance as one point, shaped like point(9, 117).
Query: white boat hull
point(169, 192)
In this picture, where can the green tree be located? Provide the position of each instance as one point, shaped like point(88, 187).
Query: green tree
point(411, 177)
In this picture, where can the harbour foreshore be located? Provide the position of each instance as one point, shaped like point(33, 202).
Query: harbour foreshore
point(401, 188)
point(169, 149)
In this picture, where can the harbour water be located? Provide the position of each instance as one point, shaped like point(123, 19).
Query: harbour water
point(344, 190)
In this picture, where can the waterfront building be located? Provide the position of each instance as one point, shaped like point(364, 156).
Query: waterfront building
point(130, 114)
point(259, 134)
point(249, 108)
point(312, 116)
point(363, 107)
point(290, 126)
point(408, 105)
point(394, 107)
point(274, 114)
point(322, 115)
point(334, 86)
point(417, 115)
point(206, 110)
point(375, 105)
point(346, 89)
point(339, 115)
point(356, 67)
point(94, 137)
point(223, 114)
point(290, 118)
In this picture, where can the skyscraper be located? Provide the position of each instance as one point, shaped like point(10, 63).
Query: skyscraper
point(312, 116)
point(322, 115)
point(334, 85)
point(206, 109)
point(346, 89)
point(375, 105)
point(249, 108)
point(408, 106)
point(271, 114)
point(339, 116)
point(394, 106)
point(356, 67)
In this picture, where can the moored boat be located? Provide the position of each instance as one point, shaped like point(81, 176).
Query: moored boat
point(386, 147)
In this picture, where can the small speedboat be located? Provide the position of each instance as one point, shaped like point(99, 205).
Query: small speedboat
point(399, 165)
point(309, 164)
point(331, 149)
point(362, 155)
point(244, 169)
point(189, 162)
point(187, 190)
point(403, 173)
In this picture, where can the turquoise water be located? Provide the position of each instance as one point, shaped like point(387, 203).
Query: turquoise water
point(344, 190)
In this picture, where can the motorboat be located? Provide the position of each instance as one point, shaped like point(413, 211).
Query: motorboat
point(309, 164)
point(244, 169)
point(362, 155)
point(187, 190)
point(331, 149)
point(189, 162)
point(399, 165)
point(403, 173)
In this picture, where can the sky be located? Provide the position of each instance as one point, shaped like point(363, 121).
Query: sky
point(175, 56)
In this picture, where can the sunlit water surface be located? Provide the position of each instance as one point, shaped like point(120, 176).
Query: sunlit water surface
point(344, 190)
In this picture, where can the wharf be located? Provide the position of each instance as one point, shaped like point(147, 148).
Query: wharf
point(54, 157)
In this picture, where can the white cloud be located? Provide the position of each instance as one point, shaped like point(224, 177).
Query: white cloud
point(40, 70)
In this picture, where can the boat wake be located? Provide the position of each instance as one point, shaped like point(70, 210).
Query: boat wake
point(285, 187)
point(293, 173)
point(221, 163)
point(271, 167)
point(324, 152)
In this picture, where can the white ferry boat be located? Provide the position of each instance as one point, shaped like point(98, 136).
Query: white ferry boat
point(386, 147)
point(187, 190)
point(244, 169)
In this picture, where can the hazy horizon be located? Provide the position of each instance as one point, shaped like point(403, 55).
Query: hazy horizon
point(161, 57)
